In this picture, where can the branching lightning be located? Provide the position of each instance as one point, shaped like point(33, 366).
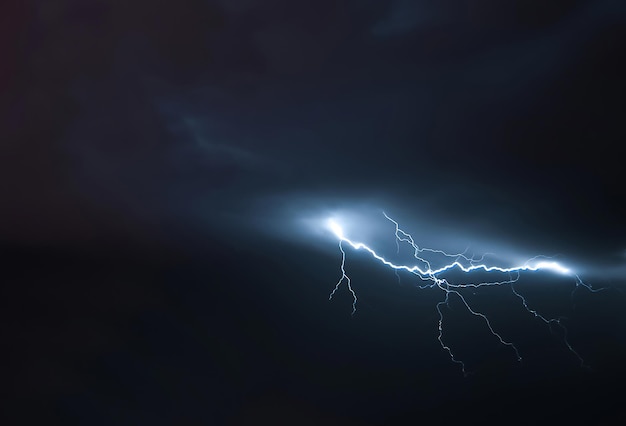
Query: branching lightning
point(433, 277)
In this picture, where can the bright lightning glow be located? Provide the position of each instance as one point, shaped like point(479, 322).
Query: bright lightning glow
point(334, 226)
point(439, 277)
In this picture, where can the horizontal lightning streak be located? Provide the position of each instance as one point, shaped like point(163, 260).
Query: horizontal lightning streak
point(543, 265)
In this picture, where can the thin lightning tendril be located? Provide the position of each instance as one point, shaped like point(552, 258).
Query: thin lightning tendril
point(345, 278)
point(459, 261)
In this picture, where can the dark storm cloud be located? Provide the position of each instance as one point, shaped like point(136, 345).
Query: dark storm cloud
point(71, 88)
point(404, 16)
point(351, 115)
point(155, 111)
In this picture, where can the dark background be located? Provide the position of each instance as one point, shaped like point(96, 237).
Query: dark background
point(154, 159)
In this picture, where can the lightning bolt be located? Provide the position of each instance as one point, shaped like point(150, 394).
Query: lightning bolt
point(432, 277)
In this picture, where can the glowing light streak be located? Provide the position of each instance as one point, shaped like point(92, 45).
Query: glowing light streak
point(464, 264)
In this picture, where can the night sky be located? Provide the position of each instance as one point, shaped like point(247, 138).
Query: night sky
point(166, 168)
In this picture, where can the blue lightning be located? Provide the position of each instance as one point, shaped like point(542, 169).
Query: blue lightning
point(432, 277)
